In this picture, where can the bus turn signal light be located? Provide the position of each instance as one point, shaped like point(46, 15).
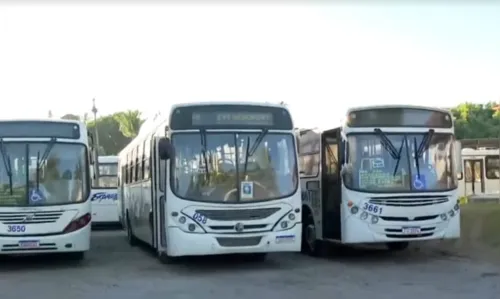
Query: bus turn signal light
point(78, 223)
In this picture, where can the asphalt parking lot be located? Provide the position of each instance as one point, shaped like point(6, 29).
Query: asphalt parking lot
point(112, 269)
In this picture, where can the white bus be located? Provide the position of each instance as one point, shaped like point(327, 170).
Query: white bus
point(481, 175)
point(388, 175)
point(104, 197)
point(214, 178)
point(44, 187)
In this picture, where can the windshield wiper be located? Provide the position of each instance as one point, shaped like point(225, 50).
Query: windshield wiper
point(40, 161)
point(203, 136)
point(423, 147)
point(388, 146)
point(6, 163)
point(250, 151)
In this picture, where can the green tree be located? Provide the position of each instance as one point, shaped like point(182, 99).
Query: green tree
point(129, 122)
point(111, 139)
point(70, 116)
point(473, 121)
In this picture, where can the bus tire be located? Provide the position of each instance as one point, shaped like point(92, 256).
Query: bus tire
point(132, 240)
point(76, 256)
point(310, 245)
point(397, 246)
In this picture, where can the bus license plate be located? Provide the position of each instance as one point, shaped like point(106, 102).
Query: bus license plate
point(411, 230)
point(29, 244)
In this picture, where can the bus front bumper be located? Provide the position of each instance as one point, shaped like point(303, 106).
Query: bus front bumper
point(72, 242)
point(360, 231)
point(180, 243)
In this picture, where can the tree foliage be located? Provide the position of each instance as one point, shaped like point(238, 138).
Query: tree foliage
point(114, 131)
point(130, 122)
point(71, 117)
point(474, 121)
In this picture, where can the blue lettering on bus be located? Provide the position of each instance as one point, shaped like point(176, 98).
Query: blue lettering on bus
point(100, 196)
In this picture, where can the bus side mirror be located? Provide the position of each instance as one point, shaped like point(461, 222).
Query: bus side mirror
point(458, 156)
point(165, 149)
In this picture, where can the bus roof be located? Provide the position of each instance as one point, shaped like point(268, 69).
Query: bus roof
point(370, 107)
point(50, 120)
point(175, 106)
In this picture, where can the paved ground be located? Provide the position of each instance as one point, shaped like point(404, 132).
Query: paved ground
point(114, 270)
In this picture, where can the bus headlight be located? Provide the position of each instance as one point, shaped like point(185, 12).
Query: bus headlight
point(456, 207)
point(374, 219)
point(286, 222)
point(451, 213)
point(354, 210)
point(444, 217)
point(188, 225)
point(364, 216)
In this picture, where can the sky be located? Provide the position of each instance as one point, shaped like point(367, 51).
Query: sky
point(319, 58)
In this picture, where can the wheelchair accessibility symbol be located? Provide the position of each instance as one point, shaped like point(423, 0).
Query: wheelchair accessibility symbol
point(419, 183)
point(36, 196)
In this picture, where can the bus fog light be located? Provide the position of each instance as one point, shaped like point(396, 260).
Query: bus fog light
point(291, 216)
point(191, 227)
point(364, 215)
point(374, 219)
point(456, 207)
point(451, 213)
point(182, 220)
point(354, 210)
point(284, 224)
point(444, 217)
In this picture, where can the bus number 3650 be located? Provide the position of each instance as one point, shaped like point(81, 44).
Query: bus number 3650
point(16, 228)
point(372, 208)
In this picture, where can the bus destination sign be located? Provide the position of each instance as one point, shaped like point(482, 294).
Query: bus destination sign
point(230, 117)
point(399, 117)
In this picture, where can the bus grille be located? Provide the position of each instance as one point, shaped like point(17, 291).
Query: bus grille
point(238, 215)
point(29, 218)
point(409, 202)
point(17, 248)
point(238, 242)
point(418, 218)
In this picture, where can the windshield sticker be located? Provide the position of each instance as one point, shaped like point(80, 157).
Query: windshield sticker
point(246, 190)
point(380, 179)
point(36, 196)
point(419, 183)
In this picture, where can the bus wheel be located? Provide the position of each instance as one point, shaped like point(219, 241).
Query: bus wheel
point(132, 240)
point(310, 245)
point(397, 246)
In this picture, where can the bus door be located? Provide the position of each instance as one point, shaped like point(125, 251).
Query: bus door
point(474, 176)
point(331, 184)
point(155, 194)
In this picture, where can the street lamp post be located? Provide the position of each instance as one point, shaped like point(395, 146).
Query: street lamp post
point(97, 175)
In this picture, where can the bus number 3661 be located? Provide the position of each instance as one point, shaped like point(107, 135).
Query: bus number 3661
point(372, 208)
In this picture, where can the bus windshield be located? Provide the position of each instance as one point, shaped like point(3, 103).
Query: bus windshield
point(373, 167)
point(42, 173)
point(108, 176)
point(230, 167)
